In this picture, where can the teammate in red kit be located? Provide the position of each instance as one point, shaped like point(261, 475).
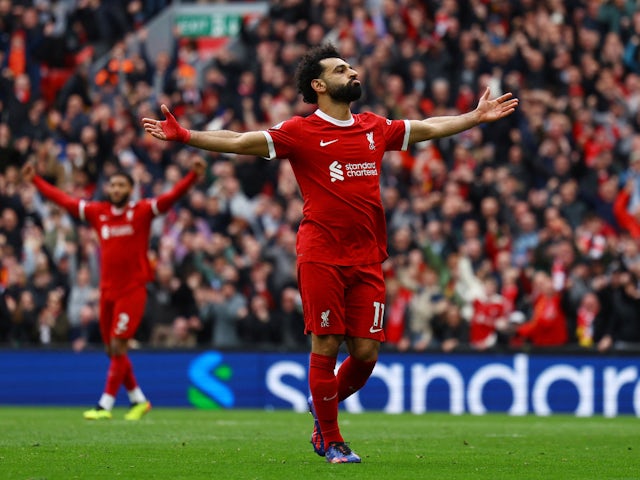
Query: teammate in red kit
point(336, 157)
point(123, 228)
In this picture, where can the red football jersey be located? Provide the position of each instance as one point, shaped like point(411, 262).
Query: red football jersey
point(337, 165)
point(485, 314)
point(124, 232)
point(124, 241)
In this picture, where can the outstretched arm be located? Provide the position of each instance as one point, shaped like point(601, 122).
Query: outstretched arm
point(226, 141)
point(166, 200)
point(486, 111)
point(71, 204)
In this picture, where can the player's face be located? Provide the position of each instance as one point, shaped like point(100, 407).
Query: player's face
point(119, 190)
point(341, 80)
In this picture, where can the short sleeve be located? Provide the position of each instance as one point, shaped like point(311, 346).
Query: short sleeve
point(283, 138)
point(396, 134)
point(88, 211)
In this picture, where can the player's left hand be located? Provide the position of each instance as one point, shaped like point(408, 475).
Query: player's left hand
point(199, 166)
point(492, 110)
point(28, 172)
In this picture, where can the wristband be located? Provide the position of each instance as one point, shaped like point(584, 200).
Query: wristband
point(173, 130)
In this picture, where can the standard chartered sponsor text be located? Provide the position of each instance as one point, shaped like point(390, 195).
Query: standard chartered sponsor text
point(603, 388)
point(364, 169)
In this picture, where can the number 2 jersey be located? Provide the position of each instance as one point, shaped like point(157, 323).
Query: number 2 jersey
point(123, 232)
point(337, 165)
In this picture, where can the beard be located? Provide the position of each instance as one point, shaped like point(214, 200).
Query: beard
point(346, 93)
point(120, 203)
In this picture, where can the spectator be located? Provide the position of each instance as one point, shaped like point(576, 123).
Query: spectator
point(179, 335)
point(396, 318)
point(627, 221)
point(260, 328)
point(526, 238)
point(229, 309)
point(427, 302)
point(10, 230)
point(489, 318)
point(438, 245)
point(452, 330)
point(623, 329)
point(168, 298)
point(87, 332)
point(570, 204)
point(588, 314)
point(593, 236)
point(289, 316)
point(19, 99)
point(23, 326)
point(547, 324)
point(84, 293)
point(53, 324)
point(281, 254)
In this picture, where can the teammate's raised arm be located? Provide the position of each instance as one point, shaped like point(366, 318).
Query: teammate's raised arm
point(225, 141)
point(199, 167)
point(28, 172)
point(51, 192)
point(167, 199)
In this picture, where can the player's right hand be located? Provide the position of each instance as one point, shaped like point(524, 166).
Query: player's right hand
point(28, 172)
point(168, 129)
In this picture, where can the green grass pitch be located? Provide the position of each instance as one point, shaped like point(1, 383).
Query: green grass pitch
point(56, 443)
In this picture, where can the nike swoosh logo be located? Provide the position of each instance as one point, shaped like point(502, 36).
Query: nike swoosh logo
point(330, 398)
point(324, 144)
point(374, 330)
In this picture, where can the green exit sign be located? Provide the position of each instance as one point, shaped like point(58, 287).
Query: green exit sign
point(214, 25)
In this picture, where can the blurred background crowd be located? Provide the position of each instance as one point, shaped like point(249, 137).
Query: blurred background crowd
point(515, 235)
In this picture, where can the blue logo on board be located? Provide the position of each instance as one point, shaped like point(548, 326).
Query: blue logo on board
point(208, 375)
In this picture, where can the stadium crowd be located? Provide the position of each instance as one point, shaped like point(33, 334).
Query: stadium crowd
point(523, 233)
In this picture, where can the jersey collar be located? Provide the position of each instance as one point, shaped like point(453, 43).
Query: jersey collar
point(335, 121)
point(119, 211)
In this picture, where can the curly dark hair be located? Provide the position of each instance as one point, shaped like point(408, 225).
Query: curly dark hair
point(309, 68)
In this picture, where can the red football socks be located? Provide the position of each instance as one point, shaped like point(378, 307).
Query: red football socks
point(352, 375)
point(129, 379)
point(117, 371)
point(324, 391)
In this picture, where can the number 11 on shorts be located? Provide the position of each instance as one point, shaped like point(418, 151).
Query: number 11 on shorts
point(378, 317)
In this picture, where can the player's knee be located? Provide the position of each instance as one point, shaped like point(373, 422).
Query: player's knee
point(364, 349)
point(118, 346)
point(328, 345)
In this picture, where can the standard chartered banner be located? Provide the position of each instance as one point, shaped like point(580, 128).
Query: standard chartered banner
point(463, 383)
